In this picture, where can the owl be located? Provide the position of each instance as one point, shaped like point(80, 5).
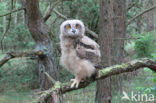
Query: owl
point(80, 55)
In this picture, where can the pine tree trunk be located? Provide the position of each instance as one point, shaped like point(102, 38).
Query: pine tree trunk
point(150, 16)
point(112, 29)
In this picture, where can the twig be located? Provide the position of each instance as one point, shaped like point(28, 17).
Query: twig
point(50, 78)
point(91, 32)
point(140, 14)
point(130, 6)
point(87, 29)
point(13, 11)
point(61, 15)
point(127, 38)
point(101, 74)
point(48, 14)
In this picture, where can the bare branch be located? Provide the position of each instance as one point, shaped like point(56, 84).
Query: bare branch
point(87, 29)
point(130, 6)
point(50, 78)
point(12, 55)
point(48, 14)
point(91, 32)
point(60, 15)
point(101, 74)
point(13, 11)
point(140, 14)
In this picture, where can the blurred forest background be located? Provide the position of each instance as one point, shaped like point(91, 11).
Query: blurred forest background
point(19, 77)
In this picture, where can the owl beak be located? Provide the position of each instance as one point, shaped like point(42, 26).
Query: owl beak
point(73, 30)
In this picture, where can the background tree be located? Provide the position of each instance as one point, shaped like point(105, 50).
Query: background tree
point(40, 34)
point(150, 16)
point(112, 13)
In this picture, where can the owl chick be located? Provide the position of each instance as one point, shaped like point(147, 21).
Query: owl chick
point(79, 54)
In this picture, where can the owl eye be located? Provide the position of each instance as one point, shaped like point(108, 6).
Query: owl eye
point(68, 27)
point(77, 26)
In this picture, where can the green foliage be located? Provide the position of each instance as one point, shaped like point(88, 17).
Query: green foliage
point(138, 84)
point(19, 77)
point(15, 97)
point(4, 7)
point(149, 89)
point(19, 37)
point(144, 46)
point(17, 74)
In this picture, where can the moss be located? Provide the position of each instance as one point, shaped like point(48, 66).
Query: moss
point(57, 84)
point(123, 65)
point(109, 69)
point(104, 71)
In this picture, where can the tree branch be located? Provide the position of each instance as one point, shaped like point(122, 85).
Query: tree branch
point(87, 29)
point(91, 32)
point(48, 13)
point(130, 6)
point(101, 74)
point(13, 11)
point(50, 78)
point(140, 14)
point(12, 55)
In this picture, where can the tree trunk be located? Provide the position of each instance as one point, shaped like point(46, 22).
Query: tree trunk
point(119, 7)
point(150, 16)
point(40, 34)
point(112, 28)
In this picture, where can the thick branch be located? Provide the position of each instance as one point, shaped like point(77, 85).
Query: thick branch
point(101, 74)
point(142, 13)
point(87, 29)
point(12, 55)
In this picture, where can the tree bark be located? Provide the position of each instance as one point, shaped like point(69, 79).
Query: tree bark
point(150, 16)
point(40, 34)
point(118, 54)
point(103, 88)
point(112, 26)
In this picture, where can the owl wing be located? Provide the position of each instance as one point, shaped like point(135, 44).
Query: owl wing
point(87, 48)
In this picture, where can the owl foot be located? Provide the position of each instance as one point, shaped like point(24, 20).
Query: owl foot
point(75, 82)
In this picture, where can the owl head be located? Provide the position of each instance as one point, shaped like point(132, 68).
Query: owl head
point(72, 28)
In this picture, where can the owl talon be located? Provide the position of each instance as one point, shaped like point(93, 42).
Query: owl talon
point(75, 83)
